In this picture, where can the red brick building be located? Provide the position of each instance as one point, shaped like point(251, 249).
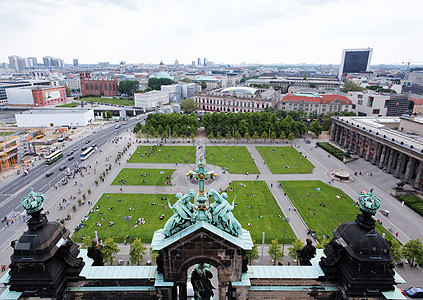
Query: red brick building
point(36, 95)
point(99, 86)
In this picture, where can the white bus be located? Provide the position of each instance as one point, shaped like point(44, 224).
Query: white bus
point(84, 155)
point(52, 157)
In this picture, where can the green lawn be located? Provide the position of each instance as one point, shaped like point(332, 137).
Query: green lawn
point(142, 209)
point(71, 104)
point(137, 177)
point(236, 159)
point(278, 158)
point(108, 101)
point(326, 219)
point(164, 154)
point(6, 133)
point(263, 204)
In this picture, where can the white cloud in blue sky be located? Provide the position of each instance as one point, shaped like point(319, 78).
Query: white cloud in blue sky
point(231, 31)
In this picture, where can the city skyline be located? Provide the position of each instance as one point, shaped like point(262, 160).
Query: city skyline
point(269, 32)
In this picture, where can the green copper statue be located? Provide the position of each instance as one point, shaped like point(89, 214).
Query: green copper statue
point(221, 212)
point(33, 202)
point(183, 213)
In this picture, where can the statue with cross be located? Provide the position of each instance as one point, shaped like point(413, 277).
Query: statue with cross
point(201, 174)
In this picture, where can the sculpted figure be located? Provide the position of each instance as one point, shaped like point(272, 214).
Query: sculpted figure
point(200, 280)
point(221, 212)
point(307, 253)
point(183, 211)
point(96, 253)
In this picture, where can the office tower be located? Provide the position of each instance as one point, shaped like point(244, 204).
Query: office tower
point(34, 62)
point(205, 62)
point(199, 61)
point(75, 62)
point(355, 61)
point(48, 61)
point(193, 63)
point(14, 62)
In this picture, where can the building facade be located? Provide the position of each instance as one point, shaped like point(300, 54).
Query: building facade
point(151, 99)
point(315, 103)
point(9, 153)
point(393, 150)
point(379, 104)
point(237, 99)
point(56, 117)
point(355, 61)
point(284, 83)
point(36, 96)
point(418, 106)
point(98, 86)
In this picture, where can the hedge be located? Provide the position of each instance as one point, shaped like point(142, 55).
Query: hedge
point(413, 202)
point(339, 154)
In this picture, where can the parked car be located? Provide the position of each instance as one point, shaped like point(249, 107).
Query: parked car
point(62, 168)
point(414, 292)
point(49, 173)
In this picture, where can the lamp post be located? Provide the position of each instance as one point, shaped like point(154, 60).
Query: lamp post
point(285, 220)
point(128, 219)
point(262, 249)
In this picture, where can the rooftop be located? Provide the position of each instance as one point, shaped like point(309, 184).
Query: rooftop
point(239, 90)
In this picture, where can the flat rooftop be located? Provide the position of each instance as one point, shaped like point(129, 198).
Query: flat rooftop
point(54, 111)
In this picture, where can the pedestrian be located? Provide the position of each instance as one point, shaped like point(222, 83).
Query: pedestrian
point(396, 234)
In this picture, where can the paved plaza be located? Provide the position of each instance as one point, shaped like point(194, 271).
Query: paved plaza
point(401, 219)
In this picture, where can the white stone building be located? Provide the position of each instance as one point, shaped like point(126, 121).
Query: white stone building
point(151, 99)
point(55, 117)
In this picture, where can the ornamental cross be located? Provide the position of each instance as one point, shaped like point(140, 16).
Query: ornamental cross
point(201, 173)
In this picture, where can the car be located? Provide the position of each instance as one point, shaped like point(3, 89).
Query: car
point(87, 141)
point(60, 139)
point(83, 148)
point(75, 149)
point(69, 153)
point(94, 145)
point(62, 168)
point(49, 173)
point(414, 292)
point(70, 158)
point(117, 126)
point(124, 123)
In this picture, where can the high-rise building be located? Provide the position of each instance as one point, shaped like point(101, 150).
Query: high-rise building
point(34, 61)
point(176, 62)
point(48, 61)
point(205, 62)
point(75, 62)
point(14, 62)
point(199, 61)
point(193, 63)
point(355, 61)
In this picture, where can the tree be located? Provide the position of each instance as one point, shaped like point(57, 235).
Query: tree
point(192, 136)
point(253, 253)
point(273, 136)
point(218, 136)
point(107, 114)
point(275, 251)
point(186, 80)
point(247, 136)
point(137, 251)
point(165, 135)
point(210, 136)
point(321, 244)
point(291, 136)
point(296, 245)
point(203, 85)
point(188, 105)
point(87, 242)
point(68, 91)
point(395, 250)
point(413, 251)
point(110, 248)
point(351, 86)
point(156, 83)
point(153, 254)
point(137, 127)
point(237, 135)
point(264, 136)
point(282, 136)
point(128, 87)
point(316, 128)
point(255, 136)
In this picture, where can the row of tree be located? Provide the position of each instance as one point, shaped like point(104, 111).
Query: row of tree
point(255, 125)
point(412, 251)
point(163, 124)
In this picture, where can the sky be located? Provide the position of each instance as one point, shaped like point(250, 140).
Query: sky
point(223, 31)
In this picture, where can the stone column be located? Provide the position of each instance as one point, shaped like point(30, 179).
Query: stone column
point(410, 166)
point(418, 176)
point(403, 165)
point(390, 160)
point(347, 133)
point(382, 157)
point(369, 147)
point(399, 164)
point(376, 154)
point(363, 143)
point(333, 131)
point(222, 291)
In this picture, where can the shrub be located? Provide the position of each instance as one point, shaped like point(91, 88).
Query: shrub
point(413, 202)
point(74, 209)
point(339, 154)
point(89, 191)
point(62, 221)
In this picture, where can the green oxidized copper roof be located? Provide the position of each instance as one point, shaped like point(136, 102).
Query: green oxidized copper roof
point(160, 241)
point(368, 202)
point(33, 202)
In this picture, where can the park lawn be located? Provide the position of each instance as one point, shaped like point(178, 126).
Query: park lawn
point(71, 104)
point(326, 219)
point(6, 133)
point(108, 101)
point(136, 177)
point(263, 204)
point(236, 159)
point(142, 209)
point(277, 163)
point(164, 154)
